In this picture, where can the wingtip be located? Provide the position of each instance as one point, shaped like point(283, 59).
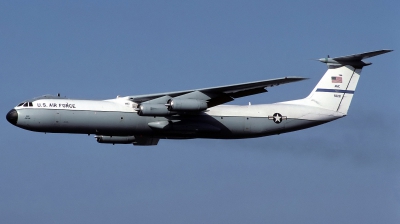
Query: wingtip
point(386, 50)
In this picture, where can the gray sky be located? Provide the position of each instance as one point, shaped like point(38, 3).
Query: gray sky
point(346, 171)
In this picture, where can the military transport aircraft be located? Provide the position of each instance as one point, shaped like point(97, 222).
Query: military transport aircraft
point(144, 119)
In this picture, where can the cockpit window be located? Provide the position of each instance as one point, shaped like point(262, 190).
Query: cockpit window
point(26, 104)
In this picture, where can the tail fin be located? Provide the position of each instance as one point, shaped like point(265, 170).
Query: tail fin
point(336, 88)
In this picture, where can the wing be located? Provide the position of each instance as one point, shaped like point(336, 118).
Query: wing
point(216, 95)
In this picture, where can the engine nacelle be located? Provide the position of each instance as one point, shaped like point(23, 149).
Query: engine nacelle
point(148, 109)
point(115, 139)
point(186, 105)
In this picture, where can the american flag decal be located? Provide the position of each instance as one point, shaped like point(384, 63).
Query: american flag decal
point(336, 79)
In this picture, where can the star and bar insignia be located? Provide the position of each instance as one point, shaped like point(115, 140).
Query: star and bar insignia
point(277, 118)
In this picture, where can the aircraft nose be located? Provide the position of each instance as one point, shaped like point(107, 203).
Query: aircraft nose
point(12, 116)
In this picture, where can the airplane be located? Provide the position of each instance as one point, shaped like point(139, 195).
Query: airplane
point(145, 119)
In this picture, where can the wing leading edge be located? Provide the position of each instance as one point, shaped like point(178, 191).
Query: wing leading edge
point(217, 95)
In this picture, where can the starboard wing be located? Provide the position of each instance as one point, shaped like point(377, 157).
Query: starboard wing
point(217, 95)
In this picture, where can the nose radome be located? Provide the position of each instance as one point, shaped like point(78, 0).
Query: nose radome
point(12, 116)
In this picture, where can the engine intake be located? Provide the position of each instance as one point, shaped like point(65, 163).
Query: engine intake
point(186, 105)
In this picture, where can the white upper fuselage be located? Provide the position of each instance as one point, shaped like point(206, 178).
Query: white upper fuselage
point(294, 111)
point(124, 105)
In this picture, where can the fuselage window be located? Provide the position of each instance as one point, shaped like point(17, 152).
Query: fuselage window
point(20, 104)
point(25, 104)
point(30, 104)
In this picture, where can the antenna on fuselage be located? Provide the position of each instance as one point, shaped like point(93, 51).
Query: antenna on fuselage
point(58, 94)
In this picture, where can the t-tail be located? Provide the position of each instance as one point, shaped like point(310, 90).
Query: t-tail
point(336, 88)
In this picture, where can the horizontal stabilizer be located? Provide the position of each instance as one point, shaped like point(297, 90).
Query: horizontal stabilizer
point(362, 56)
point(354, 60)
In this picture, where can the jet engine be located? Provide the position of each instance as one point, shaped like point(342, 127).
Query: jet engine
point(115, 139)
point(186, 105)
point(148, 109)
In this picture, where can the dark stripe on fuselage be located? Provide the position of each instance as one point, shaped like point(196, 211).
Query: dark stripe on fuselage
point(335, 91)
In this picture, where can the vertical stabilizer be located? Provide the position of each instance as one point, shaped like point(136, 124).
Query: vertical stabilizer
point(336, 88)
